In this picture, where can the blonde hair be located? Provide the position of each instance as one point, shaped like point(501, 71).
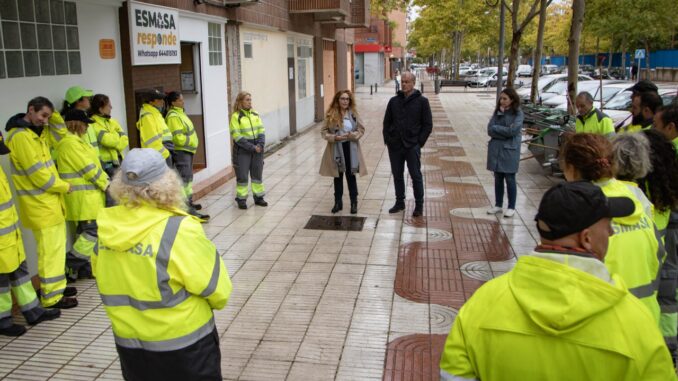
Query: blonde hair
point(164, 193)
point(333, 116)
point(76, 127)
point(239, 99)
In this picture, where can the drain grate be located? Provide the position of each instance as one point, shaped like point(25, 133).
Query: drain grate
point(346, 223)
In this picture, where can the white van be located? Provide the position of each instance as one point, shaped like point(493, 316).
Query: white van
point(524, 71)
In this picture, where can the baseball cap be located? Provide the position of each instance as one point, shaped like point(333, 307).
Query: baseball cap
point(79, 115)
point(142, 166)
point(76, 92)
point(568, 208)
point(643, 86)
point(4, 150)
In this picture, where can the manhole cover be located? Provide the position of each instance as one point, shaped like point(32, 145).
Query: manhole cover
point(347, 223)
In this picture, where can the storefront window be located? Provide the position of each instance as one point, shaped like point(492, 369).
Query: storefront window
point(215, 52)
point(39, 37)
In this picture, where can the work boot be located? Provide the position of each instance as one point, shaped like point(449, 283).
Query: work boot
point(260, 201)
point(354, 207)
point(70, 291)
point(338, 205)
point(195, 206)
point(399, 206)
point(46, 315)
point(242, 204)
point(14, 330)
point(203, 217)
point(65, 303)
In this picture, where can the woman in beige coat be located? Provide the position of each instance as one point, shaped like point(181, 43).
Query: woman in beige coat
point(343, 130)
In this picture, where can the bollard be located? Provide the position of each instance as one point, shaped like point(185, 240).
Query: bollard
point(376, 88)
point(370, 89)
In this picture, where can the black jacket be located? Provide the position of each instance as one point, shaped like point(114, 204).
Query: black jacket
point(408, 121)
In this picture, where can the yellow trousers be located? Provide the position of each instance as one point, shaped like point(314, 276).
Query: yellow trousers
point(51, 246)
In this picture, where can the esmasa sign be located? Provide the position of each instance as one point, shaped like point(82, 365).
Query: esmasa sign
point(154, 35)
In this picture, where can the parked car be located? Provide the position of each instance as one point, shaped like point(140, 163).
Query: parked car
point(592, 86)
point(550, 69)
point(586, 70)
point(483, 77)
point(524, 71)
point(610, 90)
point(618, 107)
point(463, 70)
point(545, 83)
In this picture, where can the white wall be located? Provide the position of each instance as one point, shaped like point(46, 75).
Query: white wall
point(96, 20)
point(212, 94)
point(265, 77)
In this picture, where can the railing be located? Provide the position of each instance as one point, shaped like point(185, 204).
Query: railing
point(340, 7)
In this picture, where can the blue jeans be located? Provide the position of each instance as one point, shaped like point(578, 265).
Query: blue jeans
point(510, 178)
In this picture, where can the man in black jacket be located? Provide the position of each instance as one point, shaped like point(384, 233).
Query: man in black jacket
point(407, 126)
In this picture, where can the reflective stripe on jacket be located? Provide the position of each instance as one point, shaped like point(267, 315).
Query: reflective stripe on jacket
point(183, 133)
point(635, 251)
point(110, 138)
point(38, 186)
point(79, 165)
point(11, 245)
point(153, 130)
point(246, 124)
point(159, 277)
point(555, 319)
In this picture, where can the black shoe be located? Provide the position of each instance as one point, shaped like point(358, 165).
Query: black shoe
point(354, 207)
point(70, 291)
point(85, 274)
point(14, 330)
point(47, 315)
point(65, 303)
point(203, 217)
point(418, 211)
point(195, 206)
point(338, 205)
point(397, 208)
point(242, 204)
point(70, 280)
point(260, 201)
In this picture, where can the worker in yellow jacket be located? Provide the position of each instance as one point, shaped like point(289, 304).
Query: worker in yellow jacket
point(590, 119)
point(249, 139)
point(110, 137)
point(79, 165)
point(14, 276)
point(55, 130)
point(40, 194)
point(559, 314)
point(159, 276)
point(153, 130)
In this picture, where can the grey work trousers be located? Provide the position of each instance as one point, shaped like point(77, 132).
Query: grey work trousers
point(248, 164)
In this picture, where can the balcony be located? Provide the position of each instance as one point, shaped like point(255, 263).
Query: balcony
point(323, 10)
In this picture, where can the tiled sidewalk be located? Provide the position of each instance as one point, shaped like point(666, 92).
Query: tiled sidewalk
point(310, 304)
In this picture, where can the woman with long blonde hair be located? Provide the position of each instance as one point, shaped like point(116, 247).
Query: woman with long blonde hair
point(247, 132)
point(343, 130)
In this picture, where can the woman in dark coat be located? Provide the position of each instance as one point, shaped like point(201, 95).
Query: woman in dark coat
point(503, 151)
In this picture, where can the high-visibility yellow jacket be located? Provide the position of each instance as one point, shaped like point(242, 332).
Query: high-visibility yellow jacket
point(153, 130)
point(555, 319)
point(109, 137)
point(595, 122)
point(183, 133)
point(79, 165)
point(159, 277)
point(11, 245)
point(635, 251)
point(38, 186)
point(247, 129)
point(54, 131)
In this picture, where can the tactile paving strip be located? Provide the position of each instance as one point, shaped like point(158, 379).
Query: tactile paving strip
point(414, 358)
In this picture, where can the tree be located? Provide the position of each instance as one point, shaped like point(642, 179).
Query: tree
point(578, 8)
point(536, 69)
point(518, 28)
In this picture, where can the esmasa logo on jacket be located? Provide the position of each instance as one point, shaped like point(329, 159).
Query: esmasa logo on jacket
point(137, 249)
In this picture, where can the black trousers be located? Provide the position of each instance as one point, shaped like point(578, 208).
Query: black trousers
point(110, 170)
point(197, 362)
point(183, 162)
point(398, 156)
point(350, 178)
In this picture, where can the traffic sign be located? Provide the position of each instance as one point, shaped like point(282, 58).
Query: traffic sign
point(640, 54)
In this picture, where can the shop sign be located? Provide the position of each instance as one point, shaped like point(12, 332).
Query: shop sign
point(106, 49)
point(154, 35)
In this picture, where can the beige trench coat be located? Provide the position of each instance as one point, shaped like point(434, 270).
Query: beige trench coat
point(328, 167)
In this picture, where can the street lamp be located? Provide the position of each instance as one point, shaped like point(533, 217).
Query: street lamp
point(500, 59)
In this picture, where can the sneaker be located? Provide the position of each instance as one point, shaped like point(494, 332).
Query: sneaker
point(509, 213)
point(14, 330)
point(70, 291)
point(65, 303)
point(48, 314)
point(494, 210)
point(397, 208)
point(242, 204)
